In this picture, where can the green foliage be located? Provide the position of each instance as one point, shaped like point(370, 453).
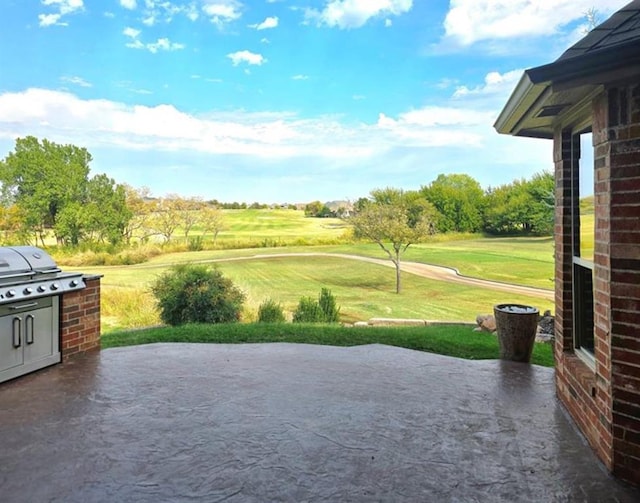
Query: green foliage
point(317, 209)
point(49, 186)
point(327, 303)
point(522, 207)
point(459, 200)
point(270, 311)
point(324, 310)
point(394, 219)
point(308, 311)
point(192, 293)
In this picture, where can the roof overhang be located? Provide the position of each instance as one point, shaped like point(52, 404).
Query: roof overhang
point(549, 95)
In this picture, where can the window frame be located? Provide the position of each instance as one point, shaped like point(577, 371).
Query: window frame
point(582, 270)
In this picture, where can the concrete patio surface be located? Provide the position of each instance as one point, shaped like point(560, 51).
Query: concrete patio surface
point(284, 422)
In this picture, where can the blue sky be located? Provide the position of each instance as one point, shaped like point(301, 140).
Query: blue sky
point(280, 100)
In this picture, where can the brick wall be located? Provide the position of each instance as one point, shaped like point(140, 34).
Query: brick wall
point(623, 229)
point(586, 397)
point(604, 399)
point(80, 319)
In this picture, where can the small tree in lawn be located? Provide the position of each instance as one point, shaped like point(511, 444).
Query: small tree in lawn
point(395, 219)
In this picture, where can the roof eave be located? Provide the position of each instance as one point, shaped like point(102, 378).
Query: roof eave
point(523, 97)
point(591, 65)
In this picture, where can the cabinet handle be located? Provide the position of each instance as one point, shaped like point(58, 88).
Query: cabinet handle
point(28, 328)
point(17, 329)
point(23, 306)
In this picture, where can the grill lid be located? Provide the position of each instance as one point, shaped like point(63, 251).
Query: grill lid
point(38, 259)
point(13, 263)
point(19, 261)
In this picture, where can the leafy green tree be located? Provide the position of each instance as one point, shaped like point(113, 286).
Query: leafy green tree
point(393, 219)
point(460, 201)
point(313, 209)
point(107, 213)
point(49, 185)
point(41, 178)
point(521, 207)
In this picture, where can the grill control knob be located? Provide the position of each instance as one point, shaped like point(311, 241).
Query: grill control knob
point(54, 286)
point(74, 282)
point(42, 288)
point(27, 291)
point(11, 293)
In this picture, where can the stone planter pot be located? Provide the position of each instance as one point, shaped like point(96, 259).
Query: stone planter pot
point(516, 326)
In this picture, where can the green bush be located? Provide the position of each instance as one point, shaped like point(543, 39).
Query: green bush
point(324, 310)
point(328, 305)
point(270, 311)
point(308, 311)
point(193, 293)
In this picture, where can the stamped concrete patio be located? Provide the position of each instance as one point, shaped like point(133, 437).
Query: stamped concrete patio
point(282, 422)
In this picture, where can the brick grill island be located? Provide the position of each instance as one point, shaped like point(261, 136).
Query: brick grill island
point(590, 99)
point(80, 319)
point(46, 315)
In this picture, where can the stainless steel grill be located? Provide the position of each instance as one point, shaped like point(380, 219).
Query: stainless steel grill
point(30, 288)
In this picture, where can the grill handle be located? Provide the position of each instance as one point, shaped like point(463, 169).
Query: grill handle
point(17, 329)
point(23, 306)
point(28, 329)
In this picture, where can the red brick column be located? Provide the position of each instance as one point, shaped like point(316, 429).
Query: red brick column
point(621, 230)
point(562, 149)
point(80, 319)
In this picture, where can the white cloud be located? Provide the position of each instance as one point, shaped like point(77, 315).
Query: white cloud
point(270, 22)
point(300, 77)
point(388, 23)
point(162, 44)
point(464, 122)
point(78, 81)
point(131, 32)
point(48, 19)
point(494, 83)
point(154, 12)
point(455, 136)
point(247, 57)
point(355, 13)
point(222, 11)
point(471, 21)
point(129, 4)
point(63, 7)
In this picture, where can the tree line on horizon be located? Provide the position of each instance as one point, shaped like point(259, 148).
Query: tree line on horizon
point(457, 203)
point(45, 189)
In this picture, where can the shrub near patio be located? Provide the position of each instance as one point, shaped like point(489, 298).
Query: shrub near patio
point(193, 293)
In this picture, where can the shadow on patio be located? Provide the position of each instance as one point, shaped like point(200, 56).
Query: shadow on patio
point(284, 422)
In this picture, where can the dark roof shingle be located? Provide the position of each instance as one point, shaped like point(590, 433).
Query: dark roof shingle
point(621, 28)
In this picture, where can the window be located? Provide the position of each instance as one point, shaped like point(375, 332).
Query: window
point(583, 234)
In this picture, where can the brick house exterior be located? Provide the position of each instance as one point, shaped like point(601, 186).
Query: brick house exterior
point(592, 92)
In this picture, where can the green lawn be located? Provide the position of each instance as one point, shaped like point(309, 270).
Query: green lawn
point(455, 341)
point(276, 226)
point(363, 290)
